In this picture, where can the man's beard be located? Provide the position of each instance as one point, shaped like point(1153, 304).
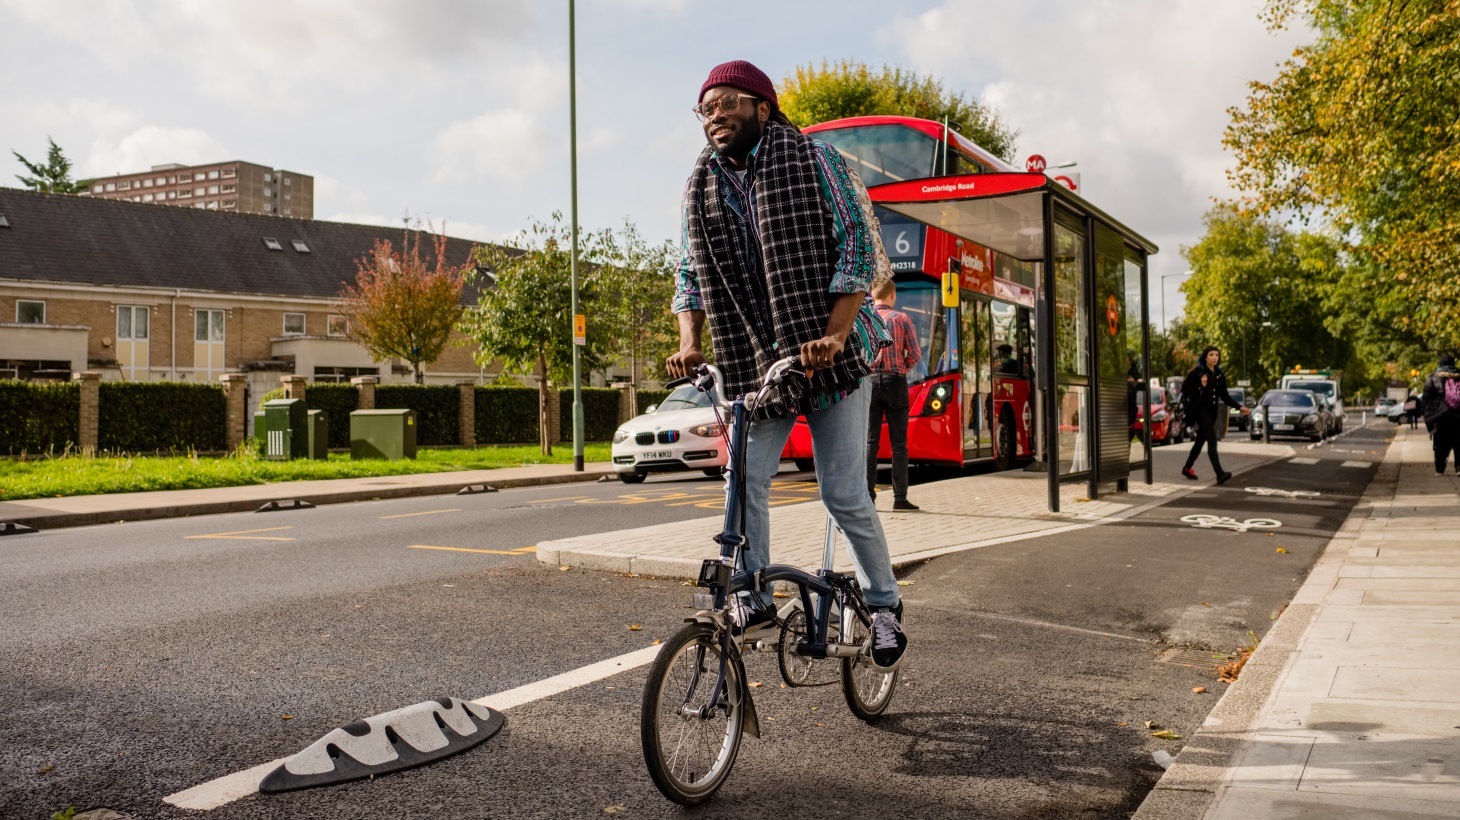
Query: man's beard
point(745, 139)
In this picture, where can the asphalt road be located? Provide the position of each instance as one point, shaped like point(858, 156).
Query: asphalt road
point(138, 660)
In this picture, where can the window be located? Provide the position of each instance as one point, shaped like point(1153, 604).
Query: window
point(146, 197)
point(124, 186)
point(294, 324)
point(299, 245)
point(172, 180)
point(268, 207)
point(288, 212)
point(268, 192)
point(30, 313)
point(288, 180)
point(268, 178)
point(162, 181)
point(212, 189)
point(230, 203)
point(96, 189)
point(199, 191)
point(338, 325)
point(272, 244)
point(228, 189)
point(212, 175)
point(4, 223)
point(199, 205)
point(229, 172)
point(287, 196)
point(147, 183)
point(184, 177)
point(213, 205)
point(111, 186)
point(208, 326)
point(132, 322)
point(172, 194)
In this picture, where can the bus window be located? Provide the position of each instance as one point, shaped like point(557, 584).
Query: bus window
point(922, 302)
point(958, 164)
point(885, 153)
point(977, 378)
point(1007, 351)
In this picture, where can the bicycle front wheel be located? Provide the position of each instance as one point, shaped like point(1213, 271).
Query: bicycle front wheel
point(868, 690)
point(689, 731)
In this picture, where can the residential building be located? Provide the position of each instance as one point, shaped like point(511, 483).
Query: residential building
point(170, 293)
point(220, 186)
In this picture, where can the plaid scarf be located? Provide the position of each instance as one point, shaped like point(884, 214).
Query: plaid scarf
point(764, 306)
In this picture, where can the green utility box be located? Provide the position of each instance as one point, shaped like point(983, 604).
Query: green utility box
point(389, 434)
point(260, 432)
point(319, 435)
point(287, 433)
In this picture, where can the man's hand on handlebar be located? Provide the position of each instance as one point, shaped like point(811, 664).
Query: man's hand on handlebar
point(821, 353)
point(682, 364)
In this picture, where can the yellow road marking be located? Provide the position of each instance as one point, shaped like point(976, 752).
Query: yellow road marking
point(409, 515)
point(243, 535)
point(522, 551)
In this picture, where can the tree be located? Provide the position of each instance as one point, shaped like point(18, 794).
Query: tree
point(399, 307)
point(811, 95)
point(638, 279)
point(1258, 292)
point(52, 178)
point(524, 319)
point(1359, 128)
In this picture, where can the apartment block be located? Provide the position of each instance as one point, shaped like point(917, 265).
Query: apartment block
point(243, 187)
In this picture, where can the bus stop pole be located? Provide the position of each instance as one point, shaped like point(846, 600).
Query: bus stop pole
point(1091, 427)
point(1146, 360)
point(573, 264)
point(1047, 380)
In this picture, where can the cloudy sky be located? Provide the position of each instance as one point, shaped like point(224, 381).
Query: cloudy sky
point(457, 110)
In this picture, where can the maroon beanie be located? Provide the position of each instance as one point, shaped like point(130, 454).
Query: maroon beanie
point(744, 76)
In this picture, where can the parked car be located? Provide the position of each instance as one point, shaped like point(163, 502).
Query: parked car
point(1382, 406)
point(1294, 413)
point(680, 434)
point(1165, 426)
point(1236, 418)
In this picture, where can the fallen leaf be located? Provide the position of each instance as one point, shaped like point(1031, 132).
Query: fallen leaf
point(821, 724)
point(635, 627)
point(46, 769)
point(814, 708)
point(1081, 500)
point(1198, 690)
point(906, 583)
point(779, 594)
point(755, 684)
point(1282, 550)
point(1166, 734)
point(448, 585)
point(1122, 723)
point(1151, 724)
point(657, 641)
point(1270, 534)
point(564, 568)
point(1204, 603)
point(286, 717)
point(613, 809)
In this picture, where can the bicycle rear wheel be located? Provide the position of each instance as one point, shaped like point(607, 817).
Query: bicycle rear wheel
point(868, 690)
point(689, 732)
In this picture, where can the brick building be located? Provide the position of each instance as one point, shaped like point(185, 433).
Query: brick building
point(221, 186)
point(170, 293)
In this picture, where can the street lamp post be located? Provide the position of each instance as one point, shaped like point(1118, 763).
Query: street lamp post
point(573, 263)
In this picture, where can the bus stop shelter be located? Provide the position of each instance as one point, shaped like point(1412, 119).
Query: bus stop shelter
point(1091, 313)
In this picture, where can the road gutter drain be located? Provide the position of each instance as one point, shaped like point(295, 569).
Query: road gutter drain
point(388, 742)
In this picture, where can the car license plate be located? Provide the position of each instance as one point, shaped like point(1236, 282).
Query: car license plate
point(655, 455)
point(1282, 427)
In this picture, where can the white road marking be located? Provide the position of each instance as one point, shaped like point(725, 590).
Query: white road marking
point(1303, 460)
point(1207, 522)
point(234, 786)
point(1359, 464)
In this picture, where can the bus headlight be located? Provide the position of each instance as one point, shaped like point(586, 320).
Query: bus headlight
point(937, 399)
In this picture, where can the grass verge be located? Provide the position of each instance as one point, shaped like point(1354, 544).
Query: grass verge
point(96, 475)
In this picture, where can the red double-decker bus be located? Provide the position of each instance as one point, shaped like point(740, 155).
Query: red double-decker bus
point(969, 398)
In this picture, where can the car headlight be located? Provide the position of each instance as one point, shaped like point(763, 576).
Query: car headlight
point(1311, 418)
point(708, 430)
point(1158, 416)
point(620, 436)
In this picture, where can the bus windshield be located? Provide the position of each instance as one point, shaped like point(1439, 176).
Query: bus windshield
point(923, 304)
point(1324, 387)
point(885, 153)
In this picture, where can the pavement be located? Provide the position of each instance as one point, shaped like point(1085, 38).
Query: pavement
point(1348, 708)
point(81, 510)
point(957, 514)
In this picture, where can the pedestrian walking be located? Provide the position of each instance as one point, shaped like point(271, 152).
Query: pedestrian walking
point(1411, 411)
point(1202, 394)
point(1441, 405)
point(889, 393)
point(780, 249)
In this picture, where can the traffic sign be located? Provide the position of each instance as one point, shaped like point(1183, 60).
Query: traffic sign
point(1035, 164)
point(580, 329)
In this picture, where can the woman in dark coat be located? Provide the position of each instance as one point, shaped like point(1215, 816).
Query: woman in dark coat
point(1202, 394)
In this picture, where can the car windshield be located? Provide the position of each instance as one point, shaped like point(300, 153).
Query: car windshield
point(1238, 394)
point(1158, 395)
point(1326, 388)
point(1290, 398)
point(684, 398)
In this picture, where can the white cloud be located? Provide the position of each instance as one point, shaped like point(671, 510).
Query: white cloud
point(152, 145)
point(1137, 92)
point(509, 145)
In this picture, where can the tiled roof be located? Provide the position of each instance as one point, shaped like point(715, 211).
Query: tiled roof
point(59, 238)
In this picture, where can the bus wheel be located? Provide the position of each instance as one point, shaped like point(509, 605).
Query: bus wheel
point(1004, 442)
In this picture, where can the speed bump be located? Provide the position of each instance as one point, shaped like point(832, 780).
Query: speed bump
point(388, 742)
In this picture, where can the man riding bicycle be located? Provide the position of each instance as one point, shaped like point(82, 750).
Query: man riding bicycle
point(780, 249)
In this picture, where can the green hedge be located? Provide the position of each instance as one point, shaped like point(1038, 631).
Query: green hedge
point(137, 417)
point(648, 397)
point(600, 413)
point(37, 417)
point(506, 415)
point(338, 400)
point(438, 409)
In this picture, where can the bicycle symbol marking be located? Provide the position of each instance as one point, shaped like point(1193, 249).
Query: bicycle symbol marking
point(1270, 491)
point(1225, 522)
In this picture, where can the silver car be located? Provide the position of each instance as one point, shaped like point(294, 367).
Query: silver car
point(680, 434)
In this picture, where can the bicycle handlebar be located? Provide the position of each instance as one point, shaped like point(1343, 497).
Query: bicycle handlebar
point(707, 378)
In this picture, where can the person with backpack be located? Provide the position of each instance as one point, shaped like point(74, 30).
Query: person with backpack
point(1441, 405)
point(1202, 394)
point(1411, 411)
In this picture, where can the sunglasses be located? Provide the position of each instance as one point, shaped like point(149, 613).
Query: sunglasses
point(730, 103)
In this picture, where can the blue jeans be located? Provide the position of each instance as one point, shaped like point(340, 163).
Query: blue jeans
point(839, 441)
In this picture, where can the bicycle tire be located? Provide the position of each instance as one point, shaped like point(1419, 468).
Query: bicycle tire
point(690, 757)
point(868, 690)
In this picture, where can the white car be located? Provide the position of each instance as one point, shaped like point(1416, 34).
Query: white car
point(680, 434)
